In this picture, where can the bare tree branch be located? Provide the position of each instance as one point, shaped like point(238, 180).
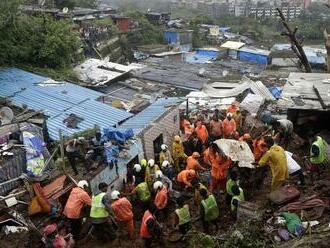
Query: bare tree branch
point(295, 44)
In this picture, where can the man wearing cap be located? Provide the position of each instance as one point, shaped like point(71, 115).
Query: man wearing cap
point(161, 199)
point(178, 152)
point(193, 164)
point(165, 154)
point(185, 177)
point(122, 210)
point(77, 199)
point(100, 214)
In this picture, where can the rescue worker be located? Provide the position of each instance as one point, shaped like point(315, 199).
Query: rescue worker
point(219, 166)
point(283, 131)
point(215, 128)
point(151, 173)
point(138, 174)
point(232, 108)
point(100, 215)
point(193, 164)
point(161, 198)
point(259, 148)
point(77, 199)
point(143, 195)
point(73, 153)
point(178, 153)
point(209, 210)
point(202, 132)
point(182, 217)
point(194, 144)
point(237, 198)
point(228, 126)
point(318, 156)
point(164, 179)
point(197, 187)
point(237, 116)
point(185, 177)
point(275, 157)
point(123, 212)
point(165, 154)
point(150, 228)
point(233, 180)
point(248, 139)
point(167, 170)
point(96, 148)
point(143, 164)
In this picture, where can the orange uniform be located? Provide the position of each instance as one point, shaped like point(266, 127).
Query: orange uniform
point(192, 164)
point(144, 232)
point(122, 209)
point(258, 148)
point(161, 198)
point(232, 108)
point(202, 133)
point(78, 197)
point(228, 127)
point(219, 166)
point(184, 177)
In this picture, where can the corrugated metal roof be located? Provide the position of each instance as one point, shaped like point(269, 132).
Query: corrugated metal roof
point(234, 45)
point(150, 114)
point(255, 50)
point(58, 100)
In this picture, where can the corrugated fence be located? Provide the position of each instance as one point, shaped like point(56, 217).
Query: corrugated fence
point(13, 168)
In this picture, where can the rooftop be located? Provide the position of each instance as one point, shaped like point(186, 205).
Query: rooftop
point(255, 50)
point(234, 45)
point(150, 114)
point(58, 100)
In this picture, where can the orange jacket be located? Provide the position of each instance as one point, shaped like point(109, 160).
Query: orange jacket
point(231, 109)
point(258, 149)
point(122, 209)
point(228, 127)
point(161, 198)
point(144, 232)
point(192, 164)
point(78, 197)
point(219, 166)
point(184, 177)
point(202, 133)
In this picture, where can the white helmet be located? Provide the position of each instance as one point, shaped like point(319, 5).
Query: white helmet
point(137, 167)
point(165, 164)
point(82, 184)
point(157, 185)
point(164, 147)
point(115, 195)
point(158, 173)
point(151, 163)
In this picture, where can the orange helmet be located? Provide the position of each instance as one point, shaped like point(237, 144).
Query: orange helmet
point(196, 155)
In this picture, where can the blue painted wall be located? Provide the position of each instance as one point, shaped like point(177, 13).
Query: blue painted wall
point(171, 37)
point(207, 53)
point(257, 58)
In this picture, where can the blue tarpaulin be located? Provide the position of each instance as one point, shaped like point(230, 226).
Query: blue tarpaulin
point(171, 37)
point(245, 56)
point(276, 92)
point(121, 136)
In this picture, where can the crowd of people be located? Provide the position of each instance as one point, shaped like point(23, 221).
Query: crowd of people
point(183, 167)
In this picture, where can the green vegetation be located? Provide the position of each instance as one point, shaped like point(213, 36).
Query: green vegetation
point(147, 33)
point(38, 41)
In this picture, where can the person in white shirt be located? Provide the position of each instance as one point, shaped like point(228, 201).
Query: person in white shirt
point(294, 168)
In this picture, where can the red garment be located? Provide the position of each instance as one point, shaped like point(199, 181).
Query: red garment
point(144, 232)
point(59, 242)
point(231, 109)
point(216, 183)
point(161, 198)
point(192, 164)
point(78, 197)
point(122, 209)
point(258, 148)
point(228, 127)
point(202, 133)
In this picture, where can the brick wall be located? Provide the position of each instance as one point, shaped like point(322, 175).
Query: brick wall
point(164, 125)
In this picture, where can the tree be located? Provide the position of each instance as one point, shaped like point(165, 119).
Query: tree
point(35, 40)
point(296, 45)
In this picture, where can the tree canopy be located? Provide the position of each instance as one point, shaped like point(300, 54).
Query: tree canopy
point(35, 40)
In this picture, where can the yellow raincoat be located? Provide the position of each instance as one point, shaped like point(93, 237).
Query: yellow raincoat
point(276, 159)
point(178, 154)
point(150, 176)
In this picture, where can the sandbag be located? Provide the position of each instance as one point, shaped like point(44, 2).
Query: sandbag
point(284, 195)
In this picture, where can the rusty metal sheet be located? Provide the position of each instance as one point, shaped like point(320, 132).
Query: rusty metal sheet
point(57, 188)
